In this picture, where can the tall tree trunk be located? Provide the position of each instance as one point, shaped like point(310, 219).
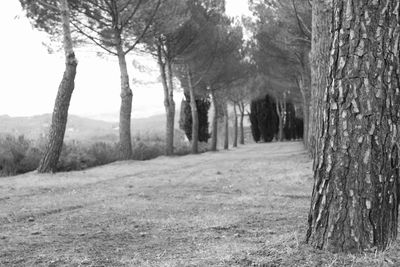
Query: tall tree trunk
point(169, 104)
point(125, 139)
point(60, 113)
point(355, 199)
point(169, 149)
point(235, 126)
point(214, 128)
point(195, 116)
point(322, 17)
point(241, 108)
point(226, 127)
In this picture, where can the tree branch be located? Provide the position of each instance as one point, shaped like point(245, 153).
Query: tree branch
point(94, 40)
point(145, 29)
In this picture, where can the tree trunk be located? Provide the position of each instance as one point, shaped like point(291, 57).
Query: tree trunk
point(355, 199)
point(125, 139)
point(241, 108)
point(60, 113)
point(235, 126)
point(226, 127)
point(169, 149)
point(281, 114)
point(195, 116)
point(306, 111)
point(214, 130)
point(169, 104)
point(322, 17)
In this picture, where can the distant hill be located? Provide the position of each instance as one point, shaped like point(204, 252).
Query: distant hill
point(79, 128)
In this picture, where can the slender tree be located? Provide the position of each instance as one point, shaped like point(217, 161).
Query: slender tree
point(116, 26)
point(235, 126)
point(355, 199)
point(48, 18)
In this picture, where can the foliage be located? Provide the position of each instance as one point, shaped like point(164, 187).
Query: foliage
point(264, 119)
point(289, 128)
point(280, 47)
point(185, 121)
point(19, 155)
point(102, 23)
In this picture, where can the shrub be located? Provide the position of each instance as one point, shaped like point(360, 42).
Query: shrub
point(19, 155)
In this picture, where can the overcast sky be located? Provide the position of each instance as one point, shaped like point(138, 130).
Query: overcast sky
point(30, 75)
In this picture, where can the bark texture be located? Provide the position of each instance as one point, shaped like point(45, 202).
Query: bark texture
point(60, 113)
point(320, 46)
point(125, 140)
point(355, 198)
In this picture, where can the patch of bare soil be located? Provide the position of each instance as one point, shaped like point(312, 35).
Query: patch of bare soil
point(243, 207)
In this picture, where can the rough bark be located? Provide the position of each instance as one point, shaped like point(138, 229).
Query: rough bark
point(214, 125)
point(235, 126)
point(60, 113)
point(320, 45)
point(355, 198)
point(226, 127)
point(125, 140)
point(195, 116)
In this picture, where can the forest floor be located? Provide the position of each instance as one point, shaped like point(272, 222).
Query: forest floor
point(242, 207)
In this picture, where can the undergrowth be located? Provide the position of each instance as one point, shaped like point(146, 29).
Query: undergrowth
point(19, 155)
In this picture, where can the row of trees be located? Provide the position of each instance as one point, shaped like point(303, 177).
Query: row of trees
point(193, 42)
point(341, 60)
point(336, 60)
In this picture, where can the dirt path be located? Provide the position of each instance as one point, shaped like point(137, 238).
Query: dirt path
point(215, 209)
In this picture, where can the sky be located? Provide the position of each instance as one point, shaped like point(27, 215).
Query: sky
point(30, 75)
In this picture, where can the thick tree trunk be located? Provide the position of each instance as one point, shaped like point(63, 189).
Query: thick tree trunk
point(195, 116)
point(322, 17)
point(226, 127)
point(235, 126)
point(241, 108)
point(355, 198)
point(214, 125)
point(65, 90)
point(125, 139)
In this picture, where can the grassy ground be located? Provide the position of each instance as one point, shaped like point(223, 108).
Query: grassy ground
point(244, 207)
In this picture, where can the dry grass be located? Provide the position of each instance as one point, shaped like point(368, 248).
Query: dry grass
point(244, 207)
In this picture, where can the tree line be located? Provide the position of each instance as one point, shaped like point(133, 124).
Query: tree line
point(324, 70)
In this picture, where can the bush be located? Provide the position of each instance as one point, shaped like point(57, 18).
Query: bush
point(78, 156)
point(19, 155)
point(143, 150)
